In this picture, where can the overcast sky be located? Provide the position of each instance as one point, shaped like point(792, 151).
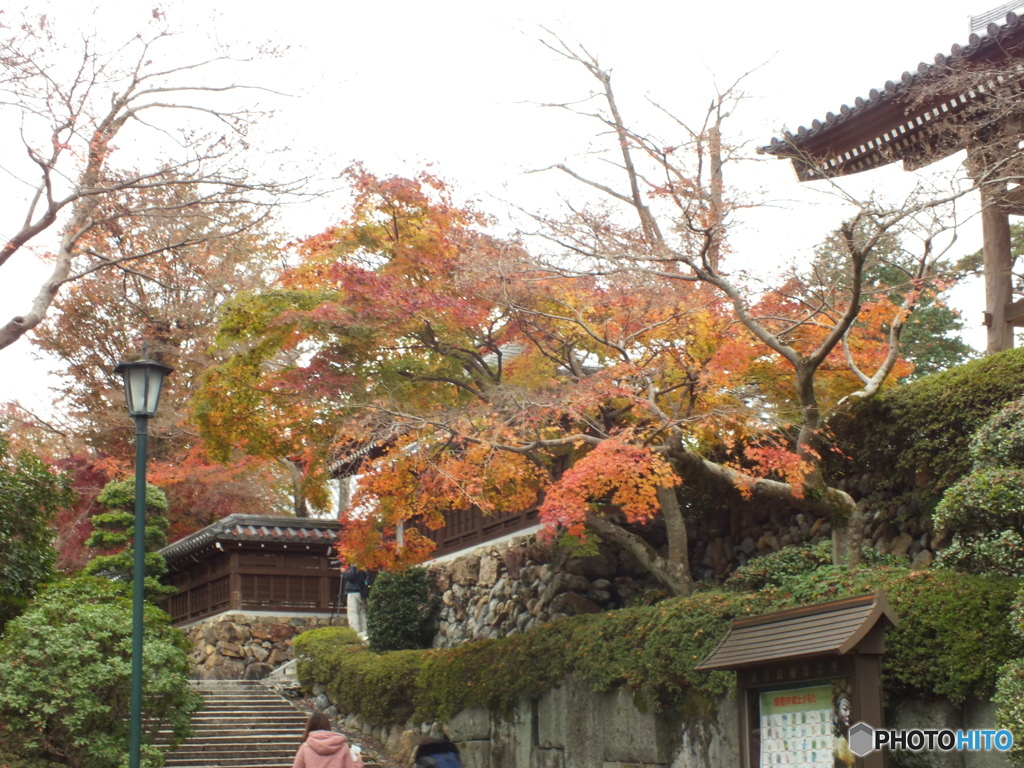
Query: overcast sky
point(401, 84)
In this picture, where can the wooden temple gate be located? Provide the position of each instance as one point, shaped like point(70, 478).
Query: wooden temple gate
point(969, 100)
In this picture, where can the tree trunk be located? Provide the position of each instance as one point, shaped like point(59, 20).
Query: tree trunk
point(298, 489)
point(672, 572)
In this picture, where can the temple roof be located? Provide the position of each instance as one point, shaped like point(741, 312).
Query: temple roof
point(907, 118)
point(261, 529)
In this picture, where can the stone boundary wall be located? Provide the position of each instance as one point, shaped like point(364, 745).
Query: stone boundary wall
point(503, 589)
point(237, 646)
point(573, 727)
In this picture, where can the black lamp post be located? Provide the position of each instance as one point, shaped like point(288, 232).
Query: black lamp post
point(142, 382)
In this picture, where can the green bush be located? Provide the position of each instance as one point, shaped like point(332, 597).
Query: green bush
point(986, 500)
point(923, 429)
point(400, 613)
point(1000, 553)
point(1009, 701)
point(30, 494)
point(381, 687)
point(776, 566)
point(999, 442)
point(65, 671)
point(952, 636)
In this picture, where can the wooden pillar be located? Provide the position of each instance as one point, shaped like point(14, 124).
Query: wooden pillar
point(995, 225)
point(234, 583)
point(983, 164)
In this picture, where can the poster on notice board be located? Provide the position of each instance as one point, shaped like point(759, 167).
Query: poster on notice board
point(806, 727)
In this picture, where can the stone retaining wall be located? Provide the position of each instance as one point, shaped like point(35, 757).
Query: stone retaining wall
point(501, 590)
point(572, 727)
point(235, 646)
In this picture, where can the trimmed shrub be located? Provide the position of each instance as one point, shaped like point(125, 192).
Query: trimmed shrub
point(924, 428)
point(952, 636)
point(381, 687)
point(774, 567)
point(65, 672)
point(400, 612)
point(114, 531)
point(1009, 701)
point(1000, 553)
point(1000, 440)
point(984, 501)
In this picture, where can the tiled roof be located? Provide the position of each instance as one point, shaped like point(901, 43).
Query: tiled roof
point(255, 528)
point(865, 135)
point(826, 629)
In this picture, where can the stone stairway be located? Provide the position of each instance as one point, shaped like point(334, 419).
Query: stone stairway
point(243, 725)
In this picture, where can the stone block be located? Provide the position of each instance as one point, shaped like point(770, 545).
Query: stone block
point(475, 754)
point(233, 650)
point(232, 632)
point(472, 724)
point(711, 739)
point(407, 743)
point(257, 671)
point(585, 725)
point(573, 604)
point(547, 758)
point(512, 738)
point(551, 709)
point(924, 714)
point(489, 567)
point(632, 735)
point(981, 715)
point(466, 571)
point(901, 544)
point(226, 669)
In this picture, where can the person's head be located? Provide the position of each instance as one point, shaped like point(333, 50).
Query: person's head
point(318, 721)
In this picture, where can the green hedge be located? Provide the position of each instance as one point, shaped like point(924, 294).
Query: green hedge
point(923, 429)
point(951, 640)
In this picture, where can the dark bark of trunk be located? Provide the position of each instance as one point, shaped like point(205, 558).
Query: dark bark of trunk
point(673, 572)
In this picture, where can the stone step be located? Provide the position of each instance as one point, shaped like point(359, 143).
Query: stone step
point(226, 762)
point(255, 726)
point(257, 708)
point(243, 725)
point(242, 762)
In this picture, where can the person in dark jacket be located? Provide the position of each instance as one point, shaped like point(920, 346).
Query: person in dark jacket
point(436, 753)
point(355, 598)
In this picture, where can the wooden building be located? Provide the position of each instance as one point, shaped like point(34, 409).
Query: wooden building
point(967, 100)
point(254, 564)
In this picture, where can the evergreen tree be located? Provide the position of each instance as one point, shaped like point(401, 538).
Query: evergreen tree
point(114, 536)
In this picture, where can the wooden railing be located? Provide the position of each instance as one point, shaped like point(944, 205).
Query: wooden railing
point(465, 528)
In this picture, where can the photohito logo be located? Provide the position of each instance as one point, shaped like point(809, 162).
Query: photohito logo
point(864, 739)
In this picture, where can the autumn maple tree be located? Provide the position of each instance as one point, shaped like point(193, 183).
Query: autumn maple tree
point(453, 369)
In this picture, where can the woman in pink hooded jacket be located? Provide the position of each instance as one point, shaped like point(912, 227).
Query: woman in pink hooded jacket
point(322, 748)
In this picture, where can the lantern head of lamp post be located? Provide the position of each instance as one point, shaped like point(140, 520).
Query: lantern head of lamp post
point(143, 380)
